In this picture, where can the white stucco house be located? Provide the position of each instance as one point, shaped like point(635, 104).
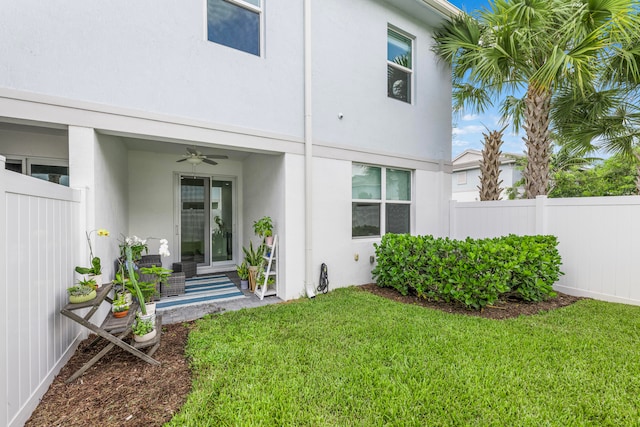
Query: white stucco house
point(465, 178)
point(332, 117)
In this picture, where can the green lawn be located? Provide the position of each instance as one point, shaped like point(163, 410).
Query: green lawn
point(350, 358)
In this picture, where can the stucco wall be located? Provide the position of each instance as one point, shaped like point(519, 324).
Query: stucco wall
point(155, 57)
point(28, 141)
point(350, 77)
point(332, 239)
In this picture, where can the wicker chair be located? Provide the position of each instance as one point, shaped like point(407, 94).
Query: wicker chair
point(189, 268)
point(150, 259)
point(174, 285)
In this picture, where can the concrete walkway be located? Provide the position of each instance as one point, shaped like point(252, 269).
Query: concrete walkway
point(193, 312)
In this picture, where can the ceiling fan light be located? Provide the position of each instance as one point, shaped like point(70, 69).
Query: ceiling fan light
point(194, 160)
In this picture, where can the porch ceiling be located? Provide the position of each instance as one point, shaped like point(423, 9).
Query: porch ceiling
point(179, 148)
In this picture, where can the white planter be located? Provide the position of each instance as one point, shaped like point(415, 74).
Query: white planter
point(144, 338)
point(151, 307)
point(244, 284)
point(148, 316)
point(97, 278)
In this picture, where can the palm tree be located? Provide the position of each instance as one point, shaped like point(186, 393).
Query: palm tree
point(602, 120)
point(538, 46)
point(490, 165)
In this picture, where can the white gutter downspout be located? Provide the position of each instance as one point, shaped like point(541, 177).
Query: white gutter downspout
point(308, 154)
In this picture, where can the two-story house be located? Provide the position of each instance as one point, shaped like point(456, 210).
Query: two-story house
point(332, 117)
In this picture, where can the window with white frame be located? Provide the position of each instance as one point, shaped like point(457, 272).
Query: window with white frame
point(462, 178)
point(399, 65)
point(52, 170)
point(381, 200)
point(236, 24)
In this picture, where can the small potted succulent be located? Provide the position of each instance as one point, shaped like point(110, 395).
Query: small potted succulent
point(81, 293)
point(120, 305)
point(89, 282)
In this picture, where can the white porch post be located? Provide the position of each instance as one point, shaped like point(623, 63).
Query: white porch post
point(82, 176)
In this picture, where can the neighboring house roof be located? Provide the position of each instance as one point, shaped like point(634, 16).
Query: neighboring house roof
point(470, 159)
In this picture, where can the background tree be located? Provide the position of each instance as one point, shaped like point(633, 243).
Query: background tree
point(607, 120)
point(614, 176)
point(538, 46)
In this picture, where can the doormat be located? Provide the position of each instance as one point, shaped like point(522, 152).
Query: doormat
point(201, 290)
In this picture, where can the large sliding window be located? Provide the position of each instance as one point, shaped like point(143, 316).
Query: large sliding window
point(381, 200)
point(236, 24)
point(399, 65)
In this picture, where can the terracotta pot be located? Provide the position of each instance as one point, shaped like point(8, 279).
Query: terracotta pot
point(120, 313)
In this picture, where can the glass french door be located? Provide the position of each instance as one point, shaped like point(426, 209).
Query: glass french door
point(206, 220)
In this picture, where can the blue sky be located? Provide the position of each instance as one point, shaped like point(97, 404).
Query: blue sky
point(468, 128)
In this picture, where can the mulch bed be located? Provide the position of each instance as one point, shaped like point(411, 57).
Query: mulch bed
point(501, 310)
point(122, 390)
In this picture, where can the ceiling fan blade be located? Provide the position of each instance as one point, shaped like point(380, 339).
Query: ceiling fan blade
point(210, 162)
point(182, 160)
point(215, 156)
point(192, 151)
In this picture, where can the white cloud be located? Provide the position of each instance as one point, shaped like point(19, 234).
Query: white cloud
point(469, 117)
point(468, 130)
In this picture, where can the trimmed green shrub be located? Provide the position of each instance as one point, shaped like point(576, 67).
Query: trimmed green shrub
point(474, 272)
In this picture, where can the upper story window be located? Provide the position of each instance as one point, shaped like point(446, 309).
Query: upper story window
point(235, 23)
point(381, 200)
point(399, 65)
point(462, 178)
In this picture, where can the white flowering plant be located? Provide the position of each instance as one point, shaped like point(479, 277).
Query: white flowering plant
point(136, 245)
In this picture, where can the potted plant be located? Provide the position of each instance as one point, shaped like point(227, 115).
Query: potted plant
point(151, 288)
point(243, 274)
point(134, 244)
point(89, 282)
point(95, 270)
point(127, 265)
point(122, 285)
point(148, 291)
point(81, 293)
point(255, 261)
point(144, 329)
point(264, 228)
point(120, 305)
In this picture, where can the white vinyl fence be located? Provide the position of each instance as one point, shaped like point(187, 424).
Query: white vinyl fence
point(39, 235)
point(599, 238)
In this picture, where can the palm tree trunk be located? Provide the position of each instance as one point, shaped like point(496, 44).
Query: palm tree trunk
point(490, 166)
point(536, 173)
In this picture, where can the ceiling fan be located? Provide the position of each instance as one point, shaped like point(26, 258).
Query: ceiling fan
point(195, 157)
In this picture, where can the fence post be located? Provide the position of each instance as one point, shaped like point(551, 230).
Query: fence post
point(541, 214)
point(4, 333)
point(452, 218)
